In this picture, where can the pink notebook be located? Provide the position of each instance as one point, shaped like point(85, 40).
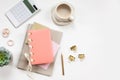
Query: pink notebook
point(55, 49)
point(41, 46)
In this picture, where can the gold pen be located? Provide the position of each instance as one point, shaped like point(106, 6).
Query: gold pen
point(62, 62)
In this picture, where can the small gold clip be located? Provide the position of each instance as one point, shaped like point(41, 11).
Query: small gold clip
point(71, 58)
point(81, 56)
point(73, 48)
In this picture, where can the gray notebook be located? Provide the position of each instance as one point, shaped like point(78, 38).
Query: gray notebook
point(22, 63)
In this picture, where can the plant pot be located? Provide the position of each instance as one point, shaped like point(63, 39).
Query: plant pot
point(5, 57)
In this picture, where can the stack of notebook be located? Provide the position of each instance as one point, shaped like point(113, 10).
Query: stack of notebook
point(44, 44)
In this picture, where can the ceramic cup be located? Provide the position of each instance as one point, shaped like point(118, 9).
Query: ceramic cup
point(62, 14)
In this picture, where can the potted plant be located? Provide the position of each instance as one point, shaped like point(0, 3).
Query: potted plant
point(5, 57)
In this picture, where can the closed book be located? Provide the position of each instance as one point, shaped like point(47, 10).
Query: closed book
point(40, 46)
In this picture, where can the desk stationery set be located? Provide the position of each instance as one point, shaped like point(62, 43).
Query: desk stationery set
point(43, 53)
point(41, 43)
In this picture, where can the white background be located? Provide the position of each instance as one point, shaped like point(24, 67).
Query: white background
point(96, 32)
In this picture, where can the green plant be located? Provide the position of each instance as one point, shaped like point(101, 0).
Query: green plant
point(5, 57)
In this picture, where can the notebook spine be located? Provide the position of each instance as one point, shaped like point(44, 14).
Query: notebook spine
point(30, 46)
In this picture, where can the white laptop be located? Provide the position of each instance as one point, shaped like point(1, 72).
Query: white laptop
point(21, 12)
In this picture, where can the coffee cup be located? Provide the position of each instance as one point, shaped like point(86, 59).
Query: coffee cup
point(63, 14)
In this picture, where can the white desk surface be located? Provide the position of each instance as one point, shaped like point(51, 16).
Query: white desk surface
point(96, 31)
